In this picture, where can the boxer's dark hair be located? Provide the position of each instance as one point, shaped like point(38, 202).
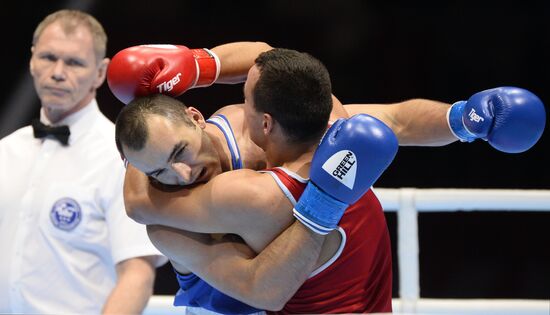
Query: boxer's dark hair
point(295, 89)
point(131, 123)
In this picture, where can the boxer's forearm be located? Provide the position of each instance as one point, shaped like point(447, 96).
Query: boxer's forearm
point(236, 59)
point(136, 198)
point(180, 209)
point(145, 200)
point(268, 280)
point(416, 122)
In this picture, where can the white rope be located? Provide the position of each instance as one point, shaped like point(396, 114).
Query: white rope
point(452, 199)
point(409, 201)
point(478, 307)
point(162, 305)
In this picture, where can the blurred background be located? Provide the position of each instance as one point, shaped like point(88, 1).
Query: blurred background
point(377, 52)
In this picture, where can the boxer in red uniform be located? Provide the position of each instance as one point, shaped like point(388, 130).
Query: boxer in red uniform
point(224, 282)
point(225, 205)
point(266, 224)
point(365, 258)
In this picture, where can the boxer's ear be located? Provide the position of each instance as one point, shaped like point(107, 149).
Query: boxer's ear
point(196, 116)
point(267, 123)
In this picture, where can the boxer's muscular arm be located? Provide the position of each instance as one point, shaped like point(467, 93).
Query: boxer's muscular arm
point(236, 59)
point(189, 208)
point(271, 278)
point(417, 122)
point(266, 281)
point(213, 207)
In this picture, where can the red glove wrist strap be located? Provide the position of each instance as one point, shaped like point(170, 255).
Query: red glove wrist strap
point(208, 67)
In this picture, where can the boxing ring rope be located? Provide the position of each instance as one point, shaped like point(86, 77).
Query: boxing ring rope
point(408, 202)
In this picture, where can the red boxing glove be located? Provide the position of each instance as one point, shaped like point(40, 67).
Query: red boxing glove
point(167, 69)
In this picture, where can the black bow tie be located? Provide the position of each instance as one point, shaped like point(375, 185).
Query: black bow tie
point(61, 133)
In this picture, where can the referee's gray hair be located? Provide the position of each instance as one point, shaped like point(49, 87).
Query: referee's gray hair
point(70, 20)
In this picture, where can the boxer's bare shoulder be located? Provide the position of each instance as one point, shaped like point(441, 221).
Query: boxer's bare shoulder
point(253, 156)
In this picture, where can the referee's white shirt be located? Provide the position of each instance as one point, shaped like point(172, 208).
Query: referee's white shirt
point(62, 221)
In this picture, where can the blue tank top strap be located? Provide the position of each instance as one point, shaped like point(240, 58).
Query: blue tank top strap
point(222, 123)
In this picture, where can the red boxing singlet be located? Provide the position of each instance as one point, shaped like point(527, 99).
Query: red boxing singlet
point(358, 279)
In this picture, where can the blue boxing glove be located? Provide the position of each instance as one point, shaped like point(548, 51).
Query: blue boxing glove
point(351, 156)
point(511, 119)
